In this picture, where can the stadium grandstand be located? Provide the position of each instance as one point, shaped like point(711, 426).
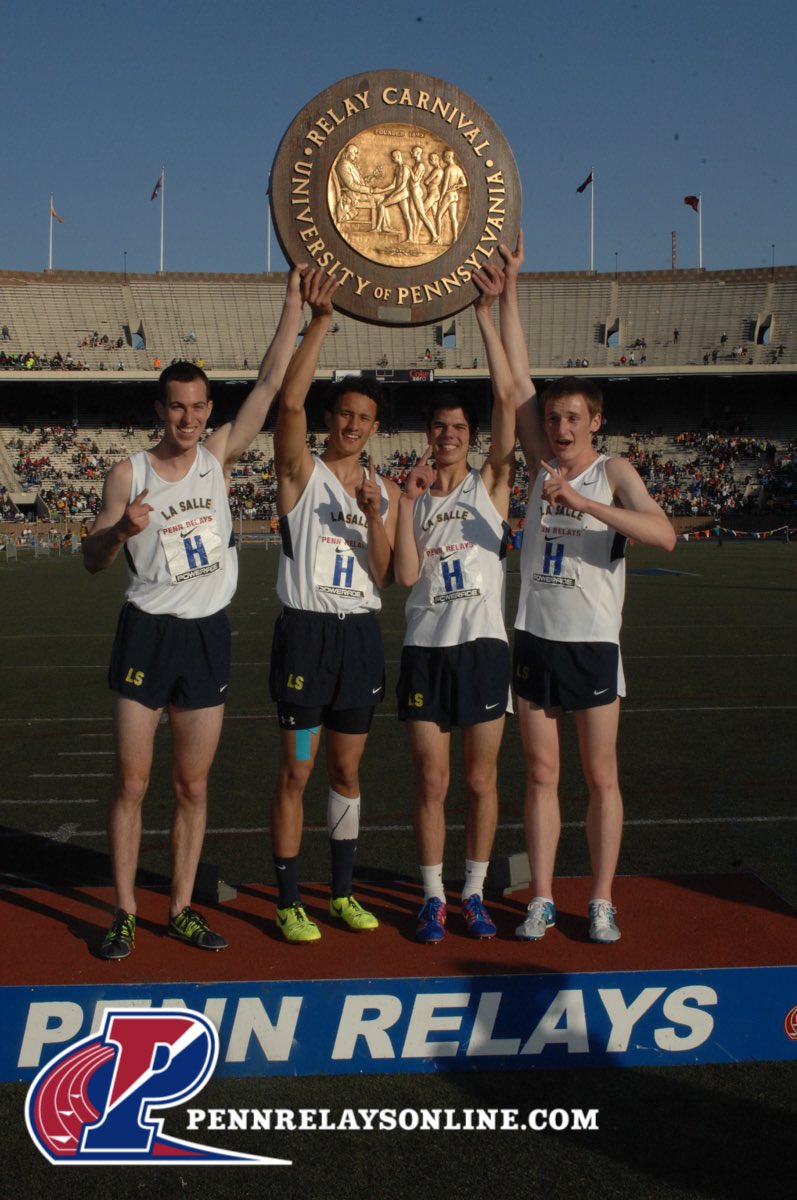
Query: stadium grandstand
point(698, 369)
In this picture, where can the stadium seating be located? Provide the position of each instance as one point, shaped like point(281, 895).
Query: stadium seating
point(106, 321)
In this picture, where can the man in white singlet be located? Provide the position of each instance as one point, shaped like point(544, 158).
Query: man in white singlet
point(167, 508)
point(337, 525)
point(582, 509)
point(450, 549)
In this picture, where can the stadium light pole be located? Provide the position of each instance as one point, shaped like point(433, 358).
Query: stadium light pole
point(773, 260)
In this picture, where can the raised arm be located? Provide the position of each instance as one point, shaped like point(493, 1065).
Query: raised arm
point(499, 466)
point(119, 519)
point(228, 442)
point(292, 459)
point(406, 561)
point(381, 530)
point(528, 424)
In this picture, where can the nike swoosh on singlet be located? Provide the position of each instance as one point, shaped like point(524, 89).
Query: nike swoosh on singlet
point(202, 474)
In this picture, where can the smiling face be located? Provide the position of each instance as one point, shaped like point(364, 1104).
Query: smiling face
point(569, 428)
point(350, 423)
point(184, 413)
point(450, 435)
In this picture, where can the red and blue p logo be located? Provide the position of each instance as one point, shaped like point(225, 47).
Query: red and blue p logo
point(94, 1103)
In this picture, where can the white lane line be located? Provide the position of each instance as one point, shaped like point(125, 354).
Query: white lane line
point(652, 822)
point(51, 800)
point(80, 775)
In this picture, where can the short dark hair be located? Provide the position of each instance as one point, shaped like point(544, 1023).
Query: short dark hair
point(571, 385)
point(446, 402)
point(363, 385)
point(180, 372)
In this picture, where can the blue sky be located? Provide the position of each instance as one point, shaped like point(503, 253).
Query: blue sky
point(662, 100)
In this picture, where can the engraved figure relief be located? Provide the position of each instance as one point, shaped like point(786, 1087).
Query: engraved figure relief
point(453, 184)
point(352, 190)
point(398, 195)
point(432, 183)
point(418, 196)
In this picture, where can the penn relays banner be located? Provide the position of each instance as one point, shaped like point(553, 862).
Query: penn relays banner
point(324, 1027)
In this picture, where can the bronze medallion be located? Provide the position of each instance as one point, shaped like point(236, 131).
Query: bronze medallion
point(399, 185)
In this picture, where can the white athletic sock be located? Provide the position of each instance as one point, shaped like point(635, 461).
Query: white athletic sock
point(475, 875)
point(432, 878)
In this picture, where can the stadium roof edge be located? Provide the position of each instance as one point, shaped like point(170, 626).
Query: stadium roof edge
point(451, 374)
point(690, 275)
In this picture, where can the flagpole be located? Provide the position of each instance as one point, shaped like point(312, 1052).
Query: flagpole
point(592, 224)
point(700, 230)
point(268, 225)
point(163, 189)
point(50, 254)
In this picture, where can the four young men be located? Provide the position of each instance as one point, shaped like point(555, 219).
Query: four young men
point(344, 532)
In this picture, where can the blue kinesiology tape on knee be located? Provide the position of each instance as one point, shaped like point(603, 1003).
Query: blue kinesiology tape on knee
point(303, 739)
point(343, 817)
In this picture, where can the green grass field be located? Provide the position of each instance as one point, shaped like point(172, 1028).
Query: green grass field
point(708, 771)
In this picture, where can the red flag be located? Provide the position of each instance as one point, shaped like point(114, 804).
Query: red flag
point(585, 184)
point(157, 188)
point(53, 213)
point(693, 202)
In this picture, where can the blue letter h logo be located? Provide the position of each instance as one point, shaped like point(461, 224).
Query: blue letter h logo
point(344, 570)
point(195, 552)
point(452, 575)
point(553, 559)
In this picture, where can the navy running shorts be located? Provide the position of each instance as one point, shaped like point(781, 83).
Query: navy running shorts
point(454, 685)
point(164, 660)
point(326, 661)
point(566, 675)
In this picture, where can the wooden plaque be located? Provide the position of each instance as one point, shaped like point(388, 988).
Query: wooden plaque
point(400, 185)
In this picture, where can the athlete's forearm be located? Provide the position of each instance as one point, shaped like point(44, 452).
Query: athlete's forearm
point(101, 548)
point(406, 563)
point(650, 528)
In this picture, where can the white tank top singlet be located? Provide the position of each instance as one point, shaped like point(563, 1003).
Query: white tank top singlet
point(323, 565)
point(572, 581)
point(459, 594)
point(184, 562)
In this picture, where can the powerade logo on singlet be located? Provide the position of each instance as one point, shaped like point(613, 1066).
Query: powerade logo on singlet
point(196, 555)
point(454, 584)
point(552, 563)
point(193, 548)
point(554, 557)
point(337, 569)
point(94, 1103)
